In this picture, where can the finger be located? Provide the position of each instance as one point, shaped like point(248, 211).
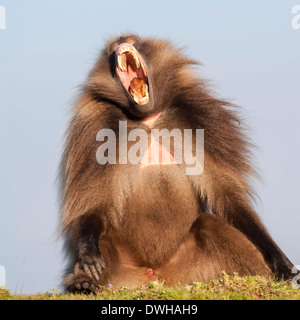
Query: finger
point(87, 270)
point(98, 267)
point(92, 287)
point(76, 267)
point(78, 286)
point(94, 272)
point(102, 263)
point(85, 285)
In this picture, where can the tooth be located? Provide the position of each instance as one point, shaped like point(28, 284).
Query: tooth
point(137, 62)
point(124, 50)
point(146, 89)
point(123, 66)
point(120, 63)
point(135, 98)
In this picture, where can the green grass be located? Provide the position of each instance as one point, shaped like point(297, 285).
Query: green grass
point(227, 288)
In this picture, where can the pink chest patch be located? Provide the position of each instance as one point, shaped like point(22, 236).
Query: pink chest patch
point(157, 153)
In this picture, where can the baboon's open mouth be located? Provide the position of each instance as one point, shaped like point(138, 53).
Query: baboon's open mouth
point(132, 73)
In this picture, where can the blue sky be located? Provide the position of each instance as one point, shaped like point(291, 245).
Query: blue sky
point(250, 52)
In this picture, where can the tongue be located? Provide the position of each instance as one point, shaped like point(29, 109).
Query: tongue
point(138, 86)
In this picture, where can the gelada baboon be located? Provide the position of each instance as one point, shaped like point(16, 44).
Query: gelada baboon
point(128, 224)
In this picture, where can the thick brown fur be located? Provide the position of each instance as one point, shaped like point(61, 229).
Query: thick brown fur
point(123, 221)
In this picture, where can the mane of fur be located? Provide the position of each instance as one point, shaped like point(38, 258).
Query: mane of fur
point(181, 95)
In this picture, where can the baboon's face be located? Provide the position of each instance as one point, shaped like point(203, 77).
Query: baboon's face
point(140, 76)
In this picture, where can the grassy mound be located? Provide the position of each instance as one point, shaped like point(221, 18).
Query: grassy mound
point(227, 288)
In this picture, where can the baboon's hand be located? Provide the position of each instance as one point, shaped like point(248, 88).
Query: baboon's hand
point(82, 284)
point(91, 263)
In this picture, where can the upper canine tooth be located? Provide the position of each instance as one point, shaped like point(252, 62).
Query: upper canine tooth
point(121, 65)
point(137, 62)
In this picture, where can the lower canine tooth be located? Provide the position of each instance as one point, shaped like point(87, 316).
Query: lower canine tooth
point(135, 98)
